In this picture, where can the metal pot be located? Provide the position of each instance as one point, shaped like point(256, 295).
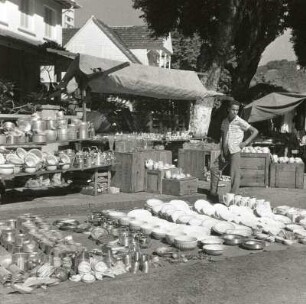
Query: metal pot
point(62, 134)
point(51, 135)
point(62, 123)
point(11, 139)
point(9, 126)
point(2, 139)
point(83, 130)
point(51, 124)
point(39, 125)
point(39, 138)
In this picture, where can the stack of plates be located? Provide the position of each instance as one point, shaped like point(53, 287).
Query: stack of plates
point(222, 227)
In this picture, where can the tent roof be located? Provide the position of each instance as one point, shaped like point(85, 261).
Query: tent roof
point(272, 105)
point(115, 77)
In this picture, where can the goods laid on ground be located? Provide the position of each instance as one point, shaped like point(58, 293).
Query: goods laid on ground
point(254, 165)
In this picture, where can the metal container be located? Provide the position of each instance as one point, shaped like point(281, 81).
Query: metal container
point(11, 139)
point(62, 123)
point(51, 135)
point(38, 125)
point(20, 238)
point(62, 134)
point(2, 139)
point(51, 124)
point(11, 223)
point(39, 138)
point(21, 260)
point(83, 130)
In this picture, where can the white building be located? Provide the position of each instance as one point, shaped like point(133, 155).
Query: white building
point(129, 43)
point(24, 26)
point(68, 18)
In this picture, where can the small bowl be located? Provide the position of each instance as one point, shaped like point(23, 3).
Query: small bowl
point(170, 237)
point(6, 169)
point(185, 242)
point(158, 233)
point(233, 239)
point(253, 245)
point(213, 249)
point(51, 167)
point(211, 240)
point(147, 229)
point(30, 169)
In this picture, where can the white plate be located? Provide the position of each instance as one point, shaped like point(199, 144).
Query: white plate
point(184, 219)
point(140, 213)
point(292, 227)
point(175, 215)
point(180, 205)
point(153, 202)
point(167, 207)
point(208, 210)
point(209, 223)
point(199, 204)
point(282, 218)
point(195, 222)
point(221, 228)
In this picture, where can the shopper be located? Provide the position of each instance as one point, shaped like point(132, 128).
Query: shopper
point(233, 129)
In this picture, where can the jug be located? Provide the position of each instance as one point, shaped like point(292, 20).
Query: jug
point(237, 199)
point(252, 203)
point(228, 199)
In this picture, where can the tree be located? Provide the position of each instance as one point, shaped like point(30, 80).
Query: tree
point(234, 33)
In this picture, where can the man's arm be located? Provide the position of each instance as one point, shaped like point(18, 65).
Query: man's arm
point(254, 133)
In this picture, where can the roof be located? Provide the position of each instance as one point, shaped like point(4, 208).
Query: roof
point(116, 40)
point(67, 34)
point(68, 3)
point(138, 37)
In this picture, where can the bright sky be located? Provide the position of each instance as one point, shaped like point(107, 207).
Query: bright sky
point(112, 12)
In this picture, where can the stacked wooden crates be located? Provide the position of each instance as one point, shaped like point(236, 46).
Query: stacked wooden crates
point(193, 161)
point(254, 169)
point(129, 172)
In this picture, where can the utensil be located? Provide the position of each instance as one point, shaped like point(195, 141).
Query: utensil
point(253, 245)
point(233, 239)
point(213, 249)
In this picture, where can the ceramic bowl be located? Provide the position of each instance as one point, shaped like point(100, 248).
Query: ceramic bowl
point(170, 237)
point(213, 249)
point(51, 168)
point(159, 233)
point(30, 169)
point(211, 240)
point(185, 242)
point(6, 169)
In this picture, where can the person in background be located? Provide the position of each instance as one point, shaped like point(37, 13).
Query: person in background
point(233, 129)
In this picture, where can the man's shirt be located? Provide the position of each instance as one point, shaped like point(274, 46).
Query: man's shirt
point(233, 133)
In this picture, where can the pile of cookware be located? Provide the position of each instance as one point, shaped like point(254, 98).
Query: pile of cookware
point(38, 130)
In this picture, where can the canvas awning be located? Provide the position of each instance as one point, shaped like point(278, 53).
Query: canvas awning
point(115, 77)
point(272, 105)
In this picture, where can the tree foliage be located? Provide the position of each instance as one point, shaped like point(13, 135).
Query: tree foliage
point(233, 33)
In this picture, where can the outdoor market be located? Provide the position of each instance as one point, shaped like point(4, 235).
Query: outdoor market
point(123, 179)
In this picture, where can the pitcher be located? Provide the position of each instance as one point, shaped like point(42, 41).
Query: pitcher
point(228, 199)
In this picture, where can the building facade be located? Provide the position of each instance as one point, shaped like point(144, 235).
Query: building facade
point(25, 25)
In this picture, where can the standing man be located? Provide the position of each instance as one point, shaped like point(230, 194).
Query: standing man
point(232, 132)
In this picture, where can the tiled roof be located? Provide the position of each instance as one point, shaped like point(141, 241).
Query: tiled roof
point(68, 33)
point(138, 37)
point(116, 40)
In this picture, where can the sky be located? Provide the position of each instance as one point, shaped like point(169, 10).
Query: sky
point(112, 12)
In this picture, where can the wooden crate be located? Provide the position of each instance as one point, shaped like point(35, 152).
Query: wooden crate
point(193, 161)
point(180, 187)
point(153, 179)
point(254, 169)
point(287, 175)
point(129, 173)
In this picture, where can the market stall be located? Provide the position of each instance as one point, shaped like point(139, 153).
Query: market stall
point(98, 75)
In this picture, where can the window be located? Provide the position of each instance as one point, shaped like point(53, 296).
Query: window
point(3, 15)
point(49, 23)
point(26, 16)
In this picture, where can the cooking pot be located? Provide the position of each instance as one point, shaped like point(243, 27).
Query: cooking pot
point(62, 123)
point(2, 139)
point(9, 126)
point(62, 134)
point(39, 138)
point(38, 125)
point(24, 125)
point(51, 135)
point(51, 124)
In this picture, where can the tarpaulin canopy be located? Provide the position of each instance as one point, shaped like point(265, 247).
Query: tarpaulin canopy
point(115, 77)
point(272, 105)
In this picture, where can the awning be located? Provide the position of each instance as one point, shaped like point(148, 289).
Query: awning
point(272, 105)
point(116, 77)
